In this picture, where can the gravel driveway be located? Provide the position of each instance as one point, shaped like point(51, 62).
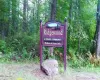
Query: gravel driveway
point(31, 71)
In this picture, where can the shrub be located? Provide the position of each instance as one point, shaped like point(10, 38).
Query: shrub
point(22, 45)
point(2, 46)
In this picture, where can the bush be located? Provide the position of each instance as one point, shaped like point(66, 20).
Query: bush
point(2, 46)
point(20, 45)
point(19, 41)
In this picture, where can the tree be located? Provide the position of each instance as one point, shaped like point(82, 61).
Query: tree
point(53, 9)
point(25, 6)
point(98, 31)
point(25, 15)
point(14, 16)
point(3, 18)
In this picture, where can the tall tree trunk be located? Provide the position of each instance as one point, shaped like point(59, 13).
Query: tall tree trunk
point(70, 21)
point(53, 9)
point(25, 15)
point(9, 18)
point(98, 31)
point(18, 15)
point(78, 22)
point(38, 6)
point(3, 29)
point(14, 15)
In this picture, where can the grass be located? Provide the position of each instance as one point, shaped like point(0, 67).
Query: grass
point(88, 68)
point(93, 69)
point(7, 60)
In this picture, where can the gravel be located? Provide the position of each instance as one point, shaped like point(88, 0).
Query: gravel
point(31, 71)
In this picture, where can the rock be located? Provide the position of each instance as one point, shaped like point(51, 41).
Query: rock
point(50, 67)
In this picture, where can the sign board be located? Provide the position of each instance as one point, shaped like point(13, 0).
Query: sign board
point(53, 34)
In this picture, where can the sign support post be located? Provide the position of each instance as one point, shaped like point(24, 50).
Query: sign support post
point(41, 55)
point(65, 44)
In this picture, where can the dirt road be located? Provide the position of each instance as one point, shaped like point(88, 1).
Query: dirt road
point(16, 71)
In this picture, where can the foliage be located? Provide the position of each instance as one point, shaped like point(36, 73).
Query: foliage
point(80, 61)
point(20, 47)
point(19, 27)
point(2, 45)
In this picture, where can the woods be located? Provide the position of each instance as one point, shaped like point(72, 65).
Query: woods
point(19, 26)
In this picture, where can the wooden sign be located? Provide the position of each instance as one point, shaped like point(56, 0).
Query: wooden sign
point(53, 34)
point(53, 37)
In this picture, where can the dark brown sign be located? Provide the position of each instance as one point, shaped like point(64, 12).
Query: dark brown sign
point(53, 34)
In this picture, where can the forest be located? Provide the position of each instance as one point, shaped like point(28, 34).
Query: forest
point(20, 28)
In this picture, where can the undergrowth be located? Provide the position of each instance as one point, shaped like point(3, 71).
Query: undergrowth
point(84, 62)
point(20, 48)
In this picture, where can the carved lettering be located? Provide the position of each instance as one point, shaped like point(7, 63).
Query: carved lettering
point(52, 32)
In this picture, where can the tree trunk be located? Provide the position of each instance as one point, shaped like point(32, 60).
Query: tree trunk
point(14, 15)
point(38, 6)
point(70, 21)
point(25, 15)
point(53, 9)
point(98, 31)
point(3, 29)
point(9, 18)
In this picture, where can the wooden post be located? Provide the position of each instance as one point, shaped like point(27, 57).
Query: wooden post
point(41, 52)
point(65, 44)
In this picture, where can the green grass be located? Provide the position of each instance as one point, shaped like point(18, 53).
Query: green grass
point(21, 61)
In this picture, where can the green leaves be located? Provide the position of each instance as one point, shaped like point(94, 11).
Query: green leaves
point(81, 16)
